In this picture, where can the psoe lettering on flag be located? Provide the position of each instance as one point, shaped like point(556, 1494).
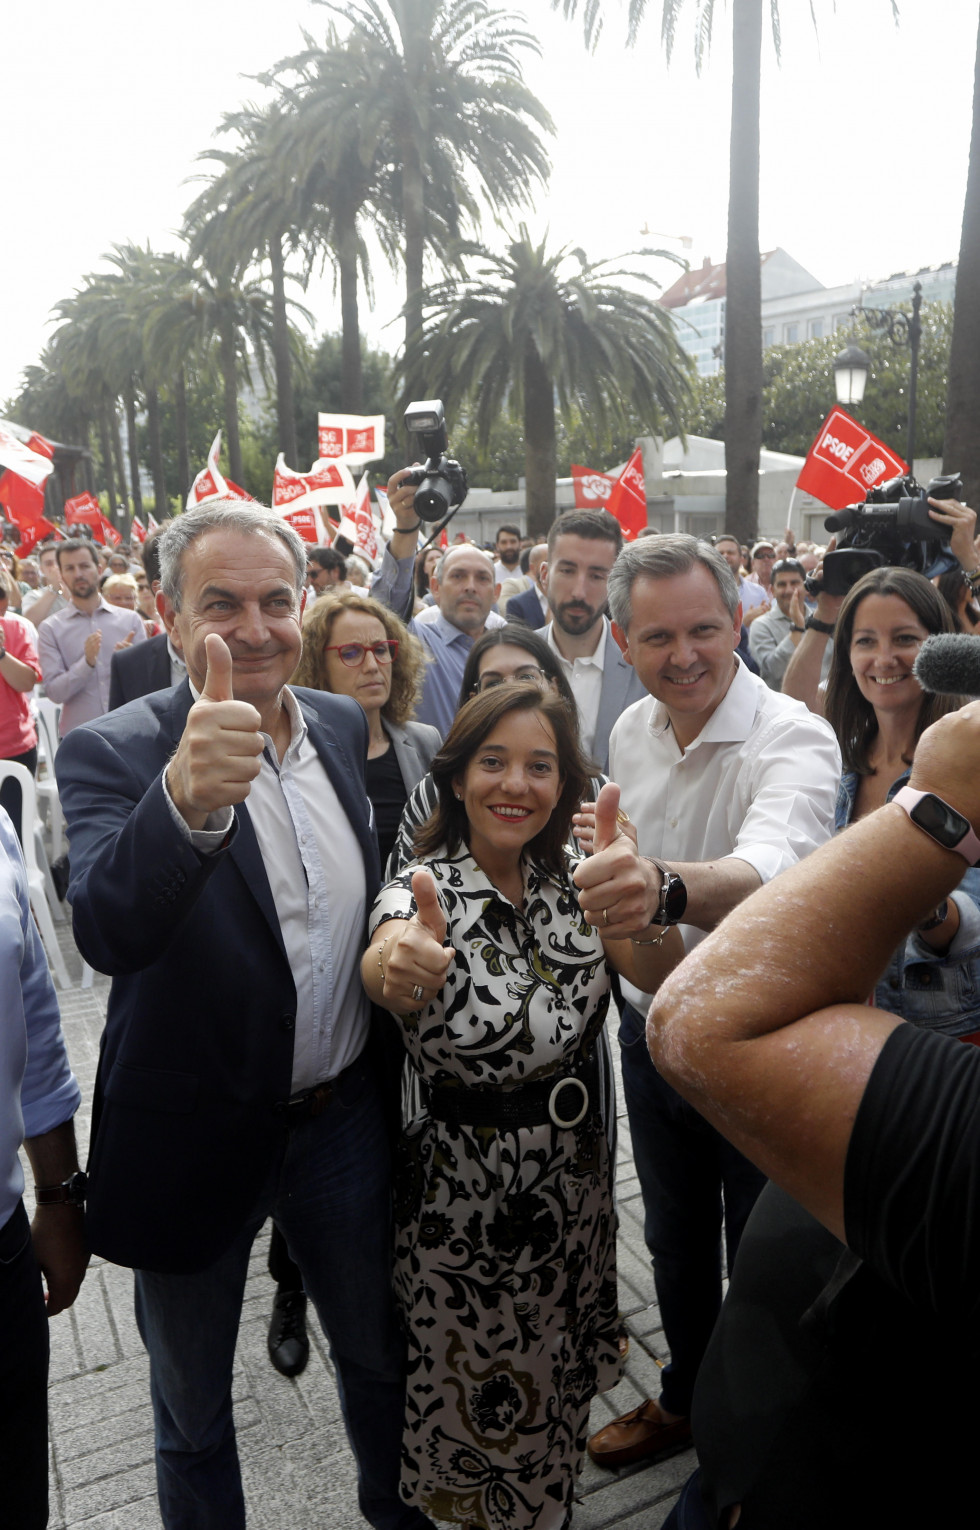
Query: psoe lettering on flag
point(592, 490)
point(845, 461)
point(299, 497)
point(356, 438)
point(628, 500)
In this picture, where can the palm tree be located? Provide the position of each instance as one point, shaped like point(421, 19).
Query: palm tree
point(251, 208)
point(532, 329)
point(961, 450)
point(743, 304)
point(443, 101)
point(346, 180)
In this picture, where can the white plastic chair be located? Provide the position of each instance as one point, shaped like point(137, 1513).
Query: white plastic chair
point(35, 876)
point(48, 718)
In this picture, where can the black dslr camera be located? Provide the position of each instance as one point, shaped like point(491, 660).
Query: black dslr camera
point(441, 485)
point(893, 526)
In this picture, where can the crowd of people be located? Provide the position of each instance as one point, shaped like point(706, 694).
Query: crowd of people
point(373, 868)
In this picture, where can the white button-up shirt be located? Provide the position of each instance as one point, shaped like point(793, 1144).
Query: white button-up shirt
point(758, 783)
point(585, 678)
point(316, 873)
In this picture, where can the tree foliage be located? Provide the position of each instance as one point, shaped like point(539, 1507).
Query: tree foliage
point(798, 389)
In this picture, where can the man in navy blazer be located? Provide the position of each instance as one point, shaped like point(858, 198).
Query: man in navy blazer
point(223, 862)
point(138, 671)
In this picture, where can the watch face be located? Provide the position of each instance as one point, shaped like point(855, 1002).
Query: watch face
point(940, 820)
point(676, 900)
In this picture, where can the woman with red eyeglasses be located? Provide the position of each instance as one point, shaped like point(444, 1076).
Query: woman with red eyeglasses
point(354, 646)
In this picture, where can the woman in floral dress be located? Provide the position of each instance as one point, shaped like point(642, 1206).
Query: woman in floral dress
point(505, 1225)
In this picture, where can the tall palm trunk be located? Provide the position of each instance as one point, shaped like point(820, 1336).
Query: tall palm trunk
point(540, 444)
point(229, 376)
point(743, 304)
point(183, 445)
point(961, 449)
point(105, 446)
point(117, 447)
point(133, 444)
point(156, 452)
point(352, 385)
point(285, 412)
point(413, 212)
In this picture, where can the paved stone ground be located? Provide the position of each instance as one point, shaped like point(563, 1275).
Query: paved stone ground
point(296, 1466)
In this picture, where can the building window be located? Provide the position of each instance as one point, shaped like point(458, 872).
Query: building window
point(815, 329)
point(768, 337)
point(792, 334)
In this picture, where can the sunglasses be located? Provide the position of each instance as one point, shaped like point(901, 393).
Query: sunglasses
point(353, 654)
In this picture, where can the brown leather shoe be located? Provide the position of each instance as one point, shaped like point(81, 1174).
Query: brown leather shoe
point(638, 1436)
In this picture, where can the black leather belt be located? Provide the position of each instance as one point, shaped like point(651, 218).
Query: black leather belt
point(306, 1106)
point(562, 1099)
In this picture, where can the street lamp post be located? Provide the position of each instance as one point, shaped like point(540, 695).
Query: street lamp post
point(852, 365)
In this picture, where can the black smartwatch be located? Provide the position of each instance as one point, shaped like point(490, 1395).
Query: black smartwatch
point(71, 1191)
point(673, 896)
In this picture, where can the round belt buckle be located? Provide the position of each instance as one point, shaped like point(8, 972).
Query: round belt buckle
point(567, 1083)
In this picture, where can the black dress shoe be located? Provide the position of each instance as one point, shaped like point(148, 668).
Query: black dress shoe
point(289, 1348)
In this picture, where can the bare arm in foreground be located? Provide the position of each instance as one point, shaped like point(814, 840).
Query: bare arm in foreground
point(764, 1027)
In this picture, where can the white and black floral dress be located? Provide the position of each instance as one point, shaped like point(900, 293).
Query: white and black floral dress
point(505, 1237)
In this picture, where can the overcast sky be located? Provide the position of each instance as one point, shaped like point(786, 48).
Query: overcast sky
point(865, 137)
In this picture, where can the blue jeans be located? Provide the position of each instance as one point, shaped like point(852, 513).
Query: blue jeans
point(329, 1194)
point(683, 1166)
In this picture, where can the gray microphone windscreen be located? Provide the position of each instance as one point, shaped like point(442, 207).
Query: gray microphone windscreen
point(949, 664)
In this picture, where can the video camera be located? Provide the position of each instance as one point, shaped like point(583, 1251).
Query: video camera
point(892, 526)
point(441, 485)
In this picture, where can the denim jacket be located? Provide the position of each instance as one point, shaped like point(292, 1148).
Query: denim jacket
point(938, 993)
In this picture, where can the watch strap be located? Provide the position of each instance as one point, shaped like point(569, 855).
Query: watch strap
point(814, 624)
point(71, 1191)
point(968, 846)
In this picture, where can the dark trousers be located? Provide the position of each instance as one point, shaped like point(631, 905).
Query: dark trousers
point(23, 1380)
point(685, 1167)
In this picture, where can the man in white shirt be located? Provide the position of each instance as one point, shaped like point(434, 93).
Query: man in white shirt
point(582, 548)
point(507, 553)
point(727, 784)
point(49, 598)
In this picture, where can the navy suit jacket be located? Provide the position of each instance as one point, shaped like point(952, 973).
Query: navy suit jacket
point(196, 1057)
point(525, 607)
point(138, 671)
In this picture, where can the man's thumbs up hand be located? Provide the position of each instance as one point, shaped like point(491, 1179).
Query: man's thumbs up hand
point(218, 756)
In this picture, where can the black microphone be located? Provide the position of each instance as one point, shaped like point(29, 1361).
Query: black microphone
point(949, 665)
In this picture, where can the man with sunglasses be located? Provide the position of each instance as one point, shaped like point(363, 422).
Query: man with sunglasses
point(773, 639)
point(223, 859)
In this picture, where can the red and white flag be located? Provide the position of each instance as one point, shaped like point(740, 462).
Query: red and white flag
point(152, 524)
point(110, 536)
point(357, 438)
point(367, 537)
point(592, 490)
point(137, 529)
point(83, 510)
point(22, 501)
point(35, 532)
point(299, 497)
point(25, 461)
point(845, 461)
point(211, 483)
point(628, 500)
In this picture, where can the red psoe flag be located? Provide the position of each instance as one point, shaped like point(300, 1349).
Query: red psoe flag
point(845, 461)
point(138, 530)
point(33, 533)
point(110, 536)
point(83, 510)
point(628, 500)
point(592, 490)
point(22, 501)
